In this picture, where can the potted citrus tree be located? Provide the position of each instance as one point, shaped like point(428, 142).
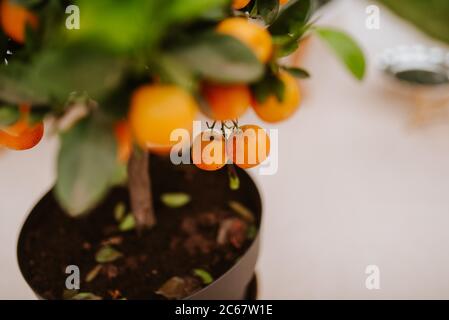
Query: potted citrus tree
point(115, 81)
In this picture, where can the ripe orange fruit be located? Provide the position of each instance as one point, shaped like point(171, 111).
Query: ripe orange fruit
point(22, 136)
point(156, 111)
point(272, 110)
point(254, 36)
point(124, 141)
point(227, 102)
point(14, 20)
point(209, 151)
point(240, 4)
point(248, 147)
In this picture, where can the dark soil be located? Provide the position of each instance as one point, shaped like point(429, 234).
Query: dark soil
point(184, 239)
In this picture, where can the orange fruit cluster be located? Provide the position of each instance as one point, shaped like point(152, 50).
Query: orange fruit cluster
point(156, 110)
point(247, 147)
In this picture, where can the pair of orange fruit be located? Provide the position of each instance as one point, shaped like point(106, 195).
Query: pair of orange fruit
point(247, 147)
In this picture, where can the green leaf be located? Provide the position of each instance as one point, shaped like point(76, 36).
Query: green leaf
point(268, 86)
point(346, 49)
point(8, 115)
point(285, 45)
point(86, 165)
point(177, 288)
point(107, 254)
point(268, 10)
point(86, 296)
point(297, 72)
point(204, 276)
point(172, 71)
point(127, 26)
point(175, 200)
point(81, 68)
point(127, 224)
point(220, 58)
point(292, 19)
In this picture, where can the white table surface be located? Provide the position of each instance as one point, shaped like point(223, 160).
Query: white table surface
point(356, 185)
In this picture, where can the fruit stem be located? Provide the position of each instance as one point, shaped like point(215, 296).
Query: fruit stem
point(139, 184)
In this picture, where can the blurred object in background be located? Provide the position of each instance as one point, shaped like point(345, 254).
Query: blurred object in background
point(422, 75)
point(431, 16)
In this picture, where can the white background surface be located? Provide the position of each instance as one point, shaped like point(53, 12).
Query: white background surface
point(357, 185)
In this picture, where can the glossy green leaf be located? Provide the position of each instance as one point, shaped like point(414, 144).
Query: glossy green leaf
point(292, 19)
point(220, 58)
point(297, 72)
point(268, 10)
point(346, 49)
point(86, 165)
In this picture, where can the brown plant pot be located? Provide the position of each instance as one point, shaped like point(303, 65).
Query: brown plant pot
point(40, 248)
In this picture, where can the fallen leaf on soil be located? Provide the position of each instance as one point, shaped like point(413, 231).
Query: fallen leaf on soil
point(119, 211)
point(69, 294)
point(86, 296)
point(128, 223)
point(204, 276)
point(243, 211)
point(93, 273)
point(178, 288)
point(107, 254)
point(175, 200)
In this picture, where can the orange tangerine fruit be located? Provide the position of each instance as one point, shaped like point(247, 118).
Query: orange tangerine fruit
point(14, 19)
point(248, 147)
point(256, 37)
point(272, 110)
point(227, 102)
point(156, 111)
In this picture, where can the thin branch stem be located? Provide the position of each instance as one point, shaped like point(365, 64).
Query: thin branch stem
point(139, 184)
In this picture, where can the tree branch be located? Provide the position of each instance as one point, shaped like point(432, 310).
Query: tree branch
point(139, 184)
